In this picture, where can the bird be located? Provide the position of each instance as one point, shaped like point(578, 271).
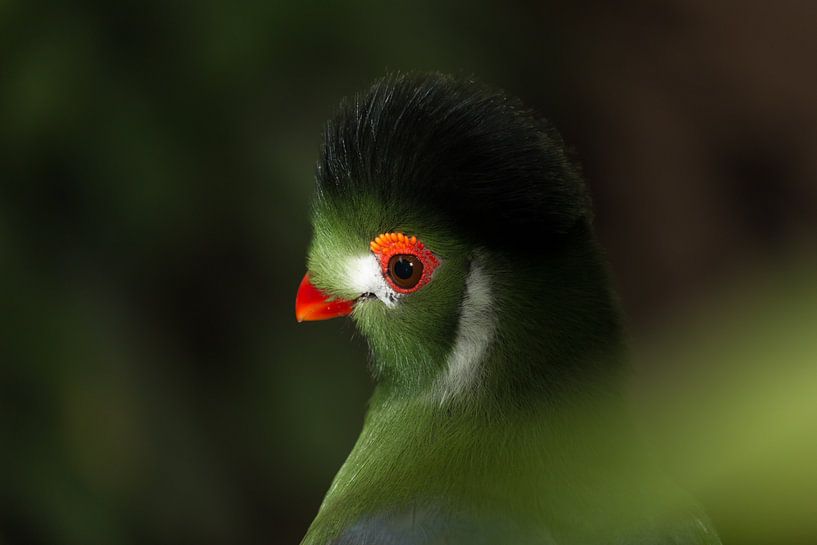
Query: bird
point(454, 227)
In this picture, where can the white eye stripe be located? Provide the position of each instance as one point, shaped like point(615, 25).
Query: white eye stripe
point(364, 276)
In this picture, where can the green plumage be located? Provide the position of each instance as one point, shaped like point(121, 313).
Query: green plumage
point(499, 423)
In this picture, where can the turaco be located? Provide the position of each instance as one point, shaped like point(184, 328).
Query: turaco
point(452, 227)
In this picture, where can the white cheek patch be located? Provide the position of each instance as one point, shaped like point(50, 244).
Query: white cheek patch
point(475, 333)
point(365, 277)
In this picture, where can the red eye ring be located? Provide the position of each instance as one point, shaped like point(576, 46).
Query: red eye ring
point(389, 245)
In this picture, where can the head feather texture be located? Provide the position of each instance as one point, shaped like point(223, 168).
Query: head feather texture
point(476, 159)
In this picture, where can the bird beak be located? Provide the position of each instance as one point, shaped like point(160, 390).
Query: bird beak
point(312, 304)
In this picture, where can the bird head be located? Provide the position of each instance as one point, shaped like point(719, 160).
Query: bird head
point(450, 225)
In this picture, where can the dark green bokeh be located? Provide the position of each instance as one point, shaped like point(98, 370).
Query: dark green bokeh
point(156, 173)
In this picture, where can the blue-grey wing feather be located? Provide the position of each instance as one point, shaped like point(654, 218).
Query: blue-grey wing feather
point(432, 527)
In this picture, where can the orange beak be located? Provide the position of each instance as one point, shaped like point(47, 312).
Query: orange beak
point(312, 304)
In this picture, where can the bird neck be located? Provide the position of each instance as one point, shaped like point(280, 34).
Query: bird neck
point(538, 464)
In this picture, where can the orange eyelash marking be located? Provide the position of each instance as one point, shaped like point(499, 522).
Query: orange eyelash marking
point(386, 245)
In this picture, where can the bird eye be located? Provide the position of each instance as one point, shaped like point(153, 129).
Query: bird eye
point(405, 270)
point(406, 263)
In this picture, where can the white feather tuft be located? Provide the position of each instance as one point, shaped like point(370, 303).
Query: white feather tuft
point(365, 276)
point(475, 333)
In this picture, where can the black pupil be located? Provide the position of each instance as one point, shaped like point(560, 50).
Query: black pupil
point(403, 268)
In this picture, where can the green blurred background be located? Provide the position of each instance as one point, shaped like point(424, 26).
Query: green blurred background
point(156, 168)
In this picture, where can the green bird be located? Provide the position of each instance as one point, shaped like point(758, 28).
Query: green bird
point(452, 227)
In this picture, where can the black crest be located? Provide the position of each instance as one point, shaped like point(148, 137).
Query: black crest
point(479, 158)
